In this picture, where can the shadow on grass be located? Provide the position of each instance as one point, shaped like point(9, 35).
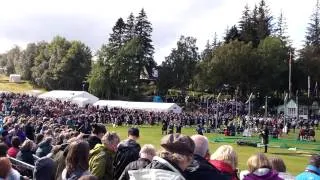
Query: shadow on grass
point(7, 82)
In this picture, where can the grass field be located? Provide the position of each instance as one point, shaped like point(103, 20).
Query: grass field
point(21, 87)
point(295, 160)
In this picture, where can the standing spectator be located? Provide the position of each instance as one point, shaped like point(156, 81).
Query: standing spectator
point(128, 151)
point(25, 153)
point(279, 166)
point(13, 174)
point(312, 171)
point(173, 159)
point(225, 159)
point(265, 138)
point(44, 169)
point(164, 127)
point(44, 147)
point(260, 169)
point(77, 161)
point(102, 155)
point(147, 153)
point(13, 151)
point(29, 130)
point(5, 167)
point(99, 130)
point(200, 168)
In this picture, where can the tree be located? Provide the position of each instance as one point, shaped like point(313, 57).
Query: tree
point(143, 30)
point(281, 29)
point(130, 28)
point(27, 60)
point(313, 31)
point(13, 63)
point(246, 26)
point(182, 62)
point(264, 21)
point(117, 38)
point(232, 34)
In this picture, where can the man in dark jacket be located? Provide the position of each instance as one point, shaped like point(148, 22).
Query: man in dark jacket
point(265, 138)
point(200, 168)
point(128, 151)
point(147, 153)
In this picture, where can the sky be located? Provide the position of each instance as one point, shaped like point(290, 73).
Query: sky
point(91, 21)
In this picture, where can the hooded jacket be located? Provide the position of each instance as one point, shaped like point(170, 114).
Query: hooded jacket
point(26, 156)
point(158, 169)
point(128, 151)
point(311, 173)
point(225, 169)
point(75, 175)
point(44, 148)
point(135, 165)
point(100, 163)
point(262, 174)
point(200, 168)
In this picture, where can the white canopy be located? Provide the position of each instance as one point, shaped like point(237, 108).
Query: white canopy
point(81, 98)
point(15, 78)
point(147, 106)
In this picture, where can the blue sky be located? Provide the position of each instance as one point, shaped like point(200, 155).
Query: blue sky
point(91, 20)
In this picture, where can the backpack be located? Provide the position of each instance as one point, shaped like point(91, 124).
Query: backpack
point(123, 157)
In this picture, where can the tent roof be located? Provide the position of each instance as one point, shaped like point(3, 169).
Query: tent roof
point(154, 106)
point(69, 95)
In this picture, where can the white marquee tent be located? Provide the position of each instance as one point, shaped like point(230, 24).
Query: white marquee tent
point(81, 98)
point(147, 106)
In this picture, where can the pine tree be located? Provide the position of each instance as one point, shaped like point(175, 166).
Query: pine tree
point(313, 31)
point(130, 28)
point(246, 30)
point(232, 34)
point(281, 29)
point(143, 30)
point(264, 21)
point(117, 39)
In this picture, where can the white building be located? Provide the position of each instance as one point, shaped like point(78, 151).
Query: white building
point(291, 109)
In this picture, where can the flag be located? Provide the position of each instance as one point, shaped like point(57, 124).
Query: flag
point(286, 97)
point(249, 99)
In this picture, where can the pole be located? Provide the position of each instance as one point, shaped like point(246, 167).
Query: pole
point(297, 105)
point(290, 85)
point(266, 108)
point(308, 86)
point(249, 112)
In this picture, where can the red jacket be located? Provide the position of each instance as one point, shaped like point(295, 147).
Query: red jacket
point(12, 152)
point(225, 168)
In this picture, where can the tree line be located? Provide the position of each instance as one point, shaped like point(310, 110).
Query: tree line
point(252, 57)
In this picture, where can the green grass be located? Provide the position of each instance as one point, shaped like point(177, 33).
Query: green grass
point(23, 86)
point(294, 160)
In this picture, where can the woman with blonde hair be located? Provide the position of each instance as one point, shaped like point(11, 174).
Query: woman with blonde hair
point(225, 159)
point(260, 168)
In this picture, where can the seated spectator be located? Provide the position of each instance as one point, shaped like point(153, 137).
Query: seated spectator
point(44, 169)
point(225, 159)
point(278, 165)
point(173, 159)
point(13, 174)
point(45, 147)
point(25, 153)
point(128, 151)
point(312, 171)
point(147, 153)
point(99, 130)
point(77, 161)
point(200, 168)
point(5, 167)
point(13, 151)
point(259, 168)
point(102, 155)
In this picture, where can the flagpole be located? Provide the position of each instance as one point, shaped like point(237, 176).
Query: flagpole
point(290, 85)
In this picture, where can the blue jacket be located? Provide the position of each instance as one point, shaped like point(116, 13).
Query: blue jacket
point(309, 175)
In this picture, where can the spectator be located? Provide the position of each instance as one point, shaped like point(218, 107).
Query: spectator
point(13, 151)
point(44, 169)
point(128, 151)
point(13, 174)
point(45, 147)
point(101, 157)
point(278, 165)
point(225, 159)
point(29, 130)
point(77, 161)
point(5, 167)
point(147, 153)
point(200, 168)
point(260, 169)
point(312, 171)
point(173, 159)
point(97, 133)
point(88, 177)
point(59, 157)
point(25, 153)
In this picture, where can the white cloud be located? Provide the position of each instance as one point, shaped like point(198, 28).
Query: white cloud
point(91, 21)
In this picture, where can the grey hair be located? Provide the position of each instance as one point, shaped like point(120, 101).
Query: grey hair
point(148, 151)
point(201, 145)
point(110, 138)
